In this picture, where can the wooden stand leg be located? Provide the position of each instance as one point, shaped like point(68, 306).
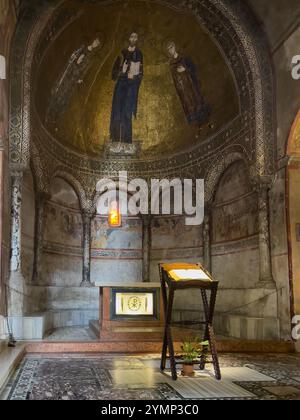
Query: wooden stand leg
point(209, 332)
point(213, 348)
point(203, 357)
point(165, 342)
point(204, 353)
point(169, 335)
point(209, 307)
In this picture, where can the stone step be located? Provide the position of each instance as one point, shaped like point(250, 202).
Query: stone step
point(142, 334)
point(9, 360)
point(3, 345)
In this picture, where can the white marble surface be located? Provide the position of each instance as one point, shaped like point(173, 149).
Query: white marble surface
point(2, 328)
point(203, 385)
point(37, 326)
point(138, 285)
point(74, 334)
point(9, 359)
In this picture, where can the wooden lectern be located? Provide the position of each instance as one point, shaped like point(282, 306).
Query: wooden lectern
point(181, 276)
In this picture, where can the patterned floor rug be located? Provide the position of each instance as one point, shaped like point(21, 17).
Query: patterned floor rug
point(269, 377)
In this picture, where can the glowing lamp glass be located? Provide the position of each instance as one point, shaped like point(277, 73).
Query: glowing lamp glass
point(114, 216)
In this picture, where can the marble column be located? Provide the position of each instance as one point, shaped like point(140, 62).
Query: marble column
point(41, 199)
point(207, 226)
point(86, 270)
point(146, 248)
point(265, 263)
point(16, 207)
point(16, 286)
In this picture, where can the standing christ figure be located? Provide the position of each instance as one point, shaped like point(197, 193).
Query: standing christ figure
point(128, 74)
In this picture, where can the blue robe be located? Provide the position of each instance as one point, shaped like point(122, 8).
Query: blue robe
point(125, 99)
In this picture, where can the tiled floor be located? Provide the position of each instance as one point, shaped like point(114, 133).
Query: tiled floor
point(112, 377)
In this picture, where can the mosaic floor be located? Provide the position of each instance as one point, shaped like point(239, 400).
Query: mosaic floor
point(40, 377)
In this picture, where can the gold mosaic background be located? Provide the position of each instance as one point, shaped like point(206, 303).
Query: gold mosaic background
point(161, 125)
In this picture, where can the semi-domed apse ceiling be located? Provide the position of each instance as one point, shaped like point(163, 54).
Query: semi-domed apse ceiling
point(185, 93)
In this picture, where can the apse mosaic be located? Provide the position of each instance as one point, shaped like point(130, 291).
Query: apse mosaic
point(132, 72)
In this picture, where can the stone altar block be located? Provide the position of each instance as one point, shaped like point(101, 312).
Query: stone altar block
point(130, 312)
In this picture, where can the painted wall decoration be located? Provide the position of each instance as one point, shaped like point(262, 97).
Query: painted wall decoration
point(128, 74)
point(77, 67)
point(128, 237)
point(187, 84)
point(235, 212)
point(63, 224)
point(176, 79)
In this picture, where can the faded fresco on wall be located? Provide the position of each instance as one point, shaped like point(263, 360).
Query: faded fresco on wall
point(129, 236)
point(235, 213)
point(143, 72)
point(62, 250)
point(63, 220)
point(63, 225)
point(172, 232)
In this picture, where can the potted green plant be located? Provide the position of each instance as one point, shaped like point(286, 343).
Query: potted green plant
point(191, 351)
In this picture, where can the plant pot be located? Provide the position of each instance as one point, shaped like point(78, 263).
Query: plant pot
point(188, 370)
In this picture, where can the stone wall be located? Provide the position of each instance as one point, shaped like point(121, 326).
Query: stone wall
point(281, 22)
point(116, 253)
point(58, 285)
point(62, 254)
point(235, 235)
point(173, 241)
point(294, 205)
point(234, 238)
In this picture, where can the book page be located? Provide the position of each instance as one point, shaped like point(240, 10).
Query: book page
point(135, 69)
point(189, 275)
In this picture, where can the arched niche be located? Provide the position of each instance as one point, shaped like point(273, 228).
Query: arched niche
point(293, 211)
point(62, 253)
point(235, 229)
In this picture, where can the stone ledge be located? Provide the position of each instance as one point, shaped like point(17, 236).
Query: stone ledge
point(247, 328)
point(224, 346)
point(9, 359)
point(2, 328)
point(3, 345)
point(36, 326)
point(238, 327)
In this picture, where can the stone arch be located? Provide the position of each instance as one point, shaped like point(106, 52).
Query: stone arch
point(41, 178)
point(293, 144)
point(231, 19)
point(293, 211)
point(217, 169)
point(85, 204)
